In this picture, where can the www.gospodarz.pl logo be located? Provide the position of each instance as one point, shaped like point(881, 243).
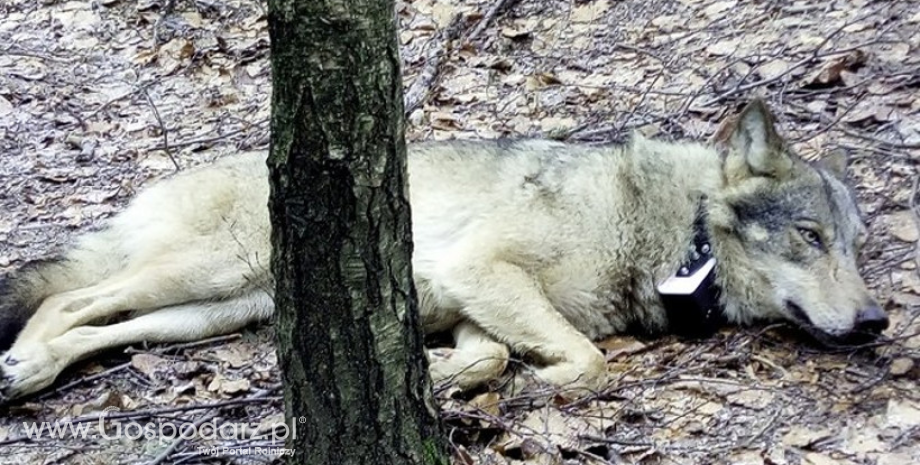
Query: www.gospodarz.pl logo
point(110, 424)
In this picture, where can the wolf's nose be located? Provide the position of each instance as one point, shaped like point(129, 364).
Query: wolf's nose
point(872, 320)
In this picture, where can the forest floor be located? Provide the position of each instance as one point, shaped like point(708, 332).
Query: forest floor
point(98, 96)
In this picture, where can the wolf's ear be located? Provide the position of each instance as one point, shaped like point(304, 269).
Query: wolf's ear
point(835, 163)
point(753, 138)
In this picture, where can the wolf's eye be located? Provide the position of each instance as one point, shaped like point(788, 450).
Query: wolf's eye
point(811, 237)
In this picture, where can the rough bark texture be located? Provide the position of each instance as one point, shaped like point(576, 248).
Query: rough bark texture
point(347, 327)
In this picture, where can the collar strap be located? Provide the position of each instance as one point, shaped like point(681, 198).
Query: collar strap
point(691, 296)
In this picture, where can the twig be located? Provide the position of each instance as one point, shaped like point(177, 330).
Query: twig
point(140, 88)
point(642, 97)
point(184, 408)
point(156, 114)
point(179, 440)
point(876, 140)
point(764, 82)
point(85, 379)
point(418, 92)
point(811, 135)
point(915, 215)
point(185, 345)
point(754, 437)
point(489, 16)
point(619, 442)
point(165, 11)
point(208, 140)
point(26, 53)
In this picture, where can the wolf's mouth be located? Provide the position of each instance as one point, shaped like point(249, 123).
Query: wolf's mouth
point(828, 339)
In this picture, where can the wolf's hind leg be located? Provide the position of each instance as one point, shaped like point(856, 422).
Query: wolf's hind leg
point(96, 256)
point(142, 288)
point(35, 369)
point(476, 359)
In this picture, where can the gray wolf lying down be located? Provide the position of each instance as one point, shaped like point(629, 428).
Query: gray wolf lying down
point(528, 247)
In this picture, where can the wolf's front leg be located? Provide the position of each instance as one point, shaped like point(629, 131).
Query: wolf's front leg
point(508, 303)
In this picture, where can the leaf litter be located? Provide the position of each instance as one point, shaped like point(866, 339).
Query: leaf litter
point(98, 97)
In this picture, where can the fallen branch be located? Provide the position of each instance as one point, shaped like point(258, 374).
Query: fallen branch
point(420, 88)
point(83, 380)
point(487, 19)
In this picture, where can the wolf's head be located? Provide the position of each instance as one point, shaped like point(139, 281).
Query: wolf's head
point(793, 231)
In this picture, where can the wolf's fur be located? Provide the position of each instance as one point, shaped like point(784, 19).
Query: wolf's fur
point(533, 246)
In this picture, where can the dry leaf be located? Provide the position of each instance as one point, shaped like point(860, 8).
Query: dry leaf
point(444, 121)
point(830, 73)
point(617, 346)
point(754, 399)
point(590, 11)
point(234, 355)
point(773, 68)
point(901, 366)
point(723, 47)
point(541, 80)
point(148, 364)
point(667, 23)
point(902, 226)
point(746, 457)
point(863, 441)
point(488, 402)
point(718, 9)
point(814, 458)
point(895, 458)
point(234, 386)
point(443, 13)
point(515, 34)
point(553, 124)
point(5, 107)
point(902, 413)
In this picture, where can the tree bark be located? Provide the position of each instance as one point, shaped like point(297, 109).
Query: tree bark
point(357, 389)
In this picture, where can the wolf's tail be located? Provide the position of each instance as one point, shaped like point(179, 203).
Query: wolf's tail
point(94, 257)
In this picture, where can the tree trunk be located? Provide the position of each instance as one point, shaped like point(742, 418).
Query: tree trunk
point(347, 331)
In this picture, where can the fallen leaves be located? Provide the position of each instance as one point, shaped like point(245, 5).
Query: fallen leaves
point(902, 225)
point(229, 386)
point(902, 414)
point(148, 364)
point(617, 347)
point(724, 47)
point(834, 70)
point(901, 366)
point(589, 12)
point(716, 10)
point(541, 80)
point(804, 437)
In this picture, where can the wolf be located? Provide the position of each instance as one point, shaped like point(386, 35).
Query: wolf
point(528, 247)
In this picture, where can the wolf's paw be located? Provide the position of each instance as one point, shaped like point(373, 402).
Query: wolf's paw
point(439, 365)
point(26, 371)
point(465, 369)
point(571, 379)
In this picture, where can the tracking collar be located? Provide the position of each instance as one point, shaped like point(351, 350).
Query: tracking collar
point(691, 296)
